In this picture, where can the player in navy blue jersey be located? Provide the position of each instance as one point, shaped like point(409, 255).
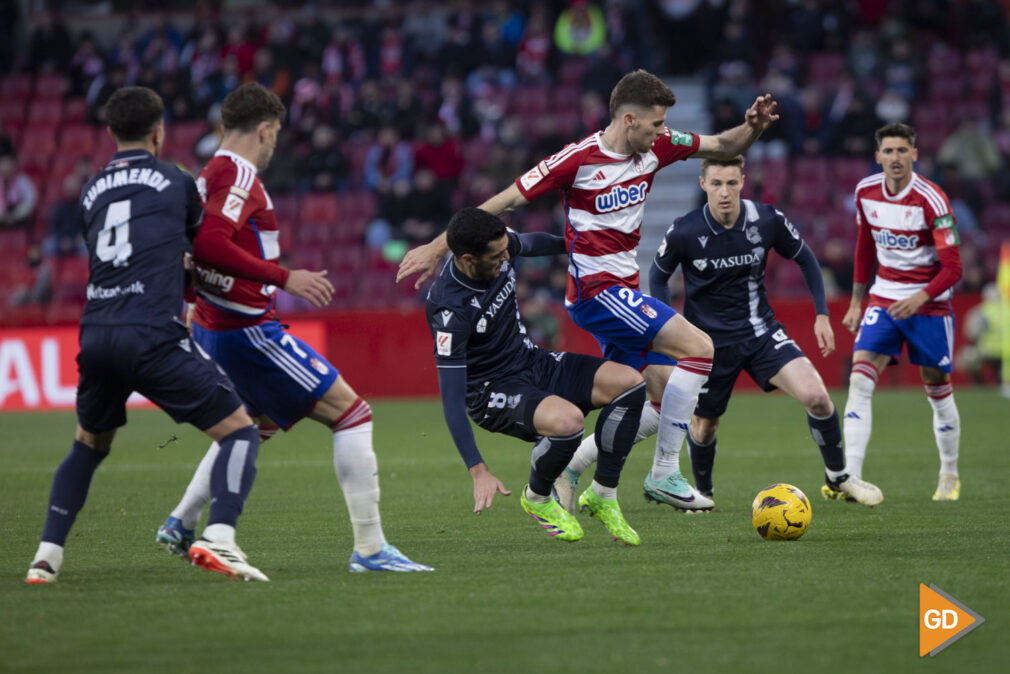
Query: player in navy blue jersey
point(139, 216)
point(723, 248)
point(488, 368)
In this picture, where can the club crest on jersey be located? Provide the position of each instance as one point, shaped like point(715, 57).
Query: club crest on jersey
point(318, 366)
point(513, 401)
point(703, 240)
point(648, 311)
point(482, 325)
point(700, 264)
point(621, 197)
point(753, 235)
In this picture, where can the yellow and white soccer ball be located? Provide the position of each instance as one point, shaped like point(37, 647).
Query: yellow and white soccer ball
point(781, 512)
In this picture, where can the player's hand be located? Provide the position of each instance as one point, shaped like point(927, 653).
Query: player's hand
point(485, 487)
point(310, 285)
point(423, 259)
point(761, 115)
point(190, 311)
point(852, 317)
point(907, 307)
point(825, 335)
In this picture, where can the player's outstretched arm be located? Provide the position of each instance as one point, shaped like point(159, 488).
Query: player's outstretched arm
point(452, 388)
point(310, 285)
point(735, 141)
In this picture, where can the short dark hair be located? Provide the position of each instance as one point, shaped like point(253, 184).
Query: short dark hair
point(640, 88)
point(248, 106)
point(133, 112)
point(471, 230)
point(737, 161)
point(896, 130)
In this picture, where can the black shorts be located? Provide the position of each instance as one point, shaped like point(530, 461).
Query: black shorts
point(762, 357)
point(161, 363)
point(506, 405)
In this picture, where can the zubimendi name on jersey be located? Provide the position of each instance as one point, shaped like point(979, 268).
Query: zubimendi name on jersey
point(145, 176)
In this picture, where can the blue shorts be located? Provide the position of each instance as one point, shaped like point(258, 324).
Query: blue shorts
point(762, 357)
point(161, 363)
point(275, 373)
point(930, 339)
point(624, 322)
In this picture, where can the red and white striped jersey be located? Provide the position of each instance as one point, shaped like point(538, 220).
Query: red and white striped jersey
point(915, 239)
point(238, 208)
point(604, 195)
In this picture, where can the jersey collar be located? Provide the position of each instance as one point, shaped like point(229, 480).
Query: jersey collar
point(900, 195)
point(238, 159)
point(466, 281)
point(130, 155)
point(717, 228)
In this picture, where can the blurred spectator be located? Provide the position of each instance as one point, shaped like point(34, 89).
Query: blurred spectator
point(50, 46)
point(972, 149)
point(86, 64)
point(532, 59)
point(6, 145)
point(901, 69)
point(441, 154)
point(406, 108)
point(64, 226)
point(17, 195)
point(455, 110)
point(241, 45)
point(836, 267)
point(269, 74)
point(41, 289)
point(100, 91)
point(580, 29)
point(389, 160)
point(982, 357)
point(429, 209)
point(852, 136)
point(208, 143)
point(892, 107)
point(369, 111)
point(344, 58)
point(325, 167)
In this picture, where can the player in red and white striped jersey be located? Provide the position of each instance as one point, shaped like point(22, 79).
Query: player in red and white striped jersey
point(905, 222)
point(604, 180)
point(280, 378)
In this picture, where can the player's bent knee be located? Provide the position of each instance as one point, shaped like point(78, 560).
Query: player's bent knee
point(703, 430)
point(818, 403)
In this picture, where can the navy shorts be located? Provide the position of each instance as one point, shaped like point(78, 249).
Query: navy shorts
point(161, 363)
point(507, 405)
point(276, 373)
point(762, 357)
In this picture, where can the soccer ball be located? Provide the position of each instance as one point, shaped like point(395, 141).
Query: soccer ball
point(780, 512)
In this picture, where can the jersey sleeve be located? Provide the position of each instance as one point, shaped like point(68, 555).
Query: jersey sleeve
point(194, 206)
point(670, 254)
point(450, 329)
point(866, 247)
point(675, 145)
point(226, 194)
point(556, 172)
point(944, 230)
point(788, 242)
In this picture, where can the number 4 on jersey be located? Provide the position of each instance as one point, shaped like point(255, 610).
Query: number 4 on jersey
point(114, 239)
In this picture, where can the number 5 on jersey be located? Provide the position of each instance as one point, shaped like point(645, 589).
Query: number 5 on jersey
point(114, 238)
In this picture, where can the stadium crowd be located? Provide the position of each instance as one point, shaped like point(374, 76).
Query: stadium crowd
point(397, 118)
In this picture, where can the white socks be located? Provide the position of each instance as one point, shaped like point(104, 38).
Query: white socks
point(51, 553)
point(358, 473)
point(946, 425)
point(198, 492)
point(604, 492)
point(679, 400)
point(858, 421)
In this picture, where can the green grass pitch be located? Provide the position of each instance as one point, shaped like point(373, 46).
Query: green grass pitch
point(702, 594)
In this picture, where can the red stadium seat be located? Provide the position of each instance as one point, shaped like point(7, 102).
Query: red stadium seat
point(38, 141)
point(75, 110)
point(16, 87)
point(50, 86)
point(46, 111)
point(319, 208)
point(12, 113)
point(77, 140)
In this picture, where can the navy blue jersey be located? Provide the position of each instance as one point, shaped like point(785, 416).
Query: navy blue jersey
point(476, 324)
point(138, 216)
point(724, 269)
